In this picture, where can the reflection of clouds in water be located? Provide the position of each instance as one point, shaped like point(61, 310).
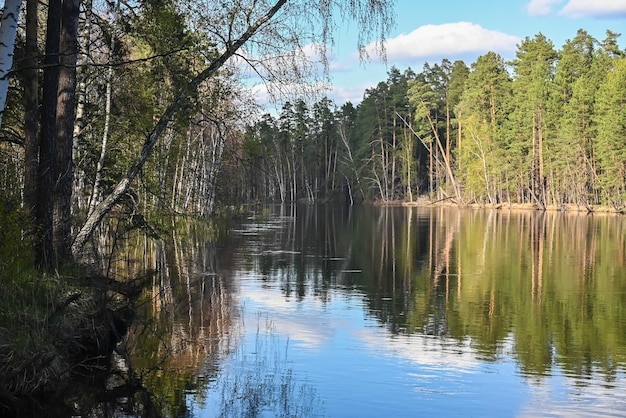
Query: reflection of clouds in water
point(425, 350)
point(304, 331)
point(308, 327)
point(567, 398)
point(261, 382)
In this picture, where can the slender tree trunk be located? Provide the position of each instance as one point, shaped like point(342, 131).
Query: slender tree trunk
point(384, 165)
point(448, 165)
point(538, 183)
point(96, 191)
point(409, 163)
point(31, 102)
point(81, 99)
point(459, 137)
point(64, 166)
point(542, 178)
point(431, 185)
point(8, 30)
point(393, 159)
point(47, 141)
point(448, 130)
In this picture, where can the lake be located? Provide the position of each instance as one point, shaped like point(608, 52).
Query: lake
point(330, 311)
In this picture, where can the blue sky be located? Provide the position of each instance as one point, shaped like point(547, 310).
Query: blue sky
point(428, 31)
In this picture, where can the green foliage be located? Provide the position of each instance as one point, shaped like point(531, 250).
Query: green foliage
point(549, 286)
point(484, 157)
point(41, 318)
point(610, 145)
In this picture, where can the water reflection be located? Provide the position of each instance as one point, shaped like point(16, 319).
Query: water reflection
point(320, 310)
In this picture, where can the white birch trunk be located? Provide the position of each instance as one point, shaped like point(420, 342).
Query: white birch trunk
point(8, 29)
point(96, 191)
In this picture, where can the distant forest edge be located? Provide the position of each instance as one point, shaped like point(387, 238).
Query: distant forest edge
point(547, 129)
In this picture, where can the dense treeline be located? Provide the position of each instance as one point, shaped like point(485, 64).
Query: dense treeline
point(545, 129)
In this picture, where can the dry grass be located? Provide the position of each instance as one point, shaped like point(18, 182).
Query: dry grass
point(52, 330)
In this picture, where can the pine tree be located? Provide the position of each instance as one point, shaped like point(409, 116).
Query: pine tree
point(576, 82)
point(531, 121)
point(610, 145)
point(483, 110)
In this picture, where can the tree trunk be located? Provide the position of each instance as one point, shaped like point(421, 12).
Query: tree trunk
point(448, 131)
point(8, 29)
point(31, 102)
point(47, 141)
point(81, 100)
point(459, 137)
point(96, 192)
point(448, 166)
point(66, 105)
point(394, 140)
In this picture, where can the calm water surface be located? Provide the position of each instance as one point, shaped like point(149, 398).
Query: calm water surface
point(323, 311)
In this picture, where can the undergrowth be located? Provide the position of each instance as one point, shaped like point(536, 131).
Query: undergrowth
point(40, 315)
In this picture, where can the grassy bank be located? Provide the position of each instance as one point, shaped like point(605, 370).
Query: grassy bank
point(55, 330)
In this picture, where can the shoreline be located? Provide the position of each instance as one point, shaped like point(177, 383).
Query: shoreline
point(567, 208)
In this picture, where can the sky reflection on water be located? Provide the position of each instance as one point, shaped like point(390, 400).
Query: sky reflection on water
point(358, 368)
point(317, 340)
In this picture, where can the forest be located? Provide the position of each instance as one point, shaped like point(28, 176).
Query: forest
point(122, 113)
point(546, 129)
point(114, 118)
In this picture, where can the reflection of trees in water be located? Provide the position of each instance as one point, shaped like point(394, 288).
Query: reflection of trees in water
point(185, 312)
point(542, 278)
point(189, 325)
point(553, 284)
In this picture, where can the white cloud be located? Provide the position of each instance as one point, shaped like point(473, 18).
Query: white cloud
point(542, 7)
point(447, 40)
point(354, 94)
point(595, 8)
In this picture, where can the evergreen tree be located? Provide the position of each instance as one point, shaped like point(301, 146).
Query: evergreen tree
point(532, 123)
point(484, 167)
point(610, 144)
point(576, 82)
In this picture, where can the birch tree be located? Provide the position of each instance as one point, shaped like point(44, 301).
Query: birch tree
point(8, 30)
